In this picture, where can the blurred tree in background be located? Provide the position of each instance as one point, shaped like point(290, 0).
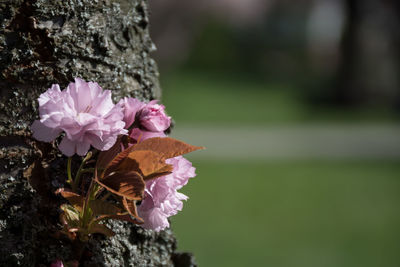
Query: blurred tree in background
point(339, 53)
point(369, 69)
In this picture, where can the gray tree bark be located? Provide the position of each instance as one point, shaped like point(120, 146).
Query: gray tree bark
point(48, 41)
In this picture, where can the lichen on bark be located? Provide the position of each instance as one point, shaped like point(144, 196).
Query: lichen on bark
point(48, 41)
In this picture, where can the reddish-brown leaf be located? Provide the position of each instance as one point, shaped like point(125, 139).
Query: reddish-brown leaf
point(100, 207)
point(147, 162)
point(113, 165)
point(73, 198)
point(105, 157)
point(166, 147)
point(162, 172)
point(130, 207)
point(125, 184)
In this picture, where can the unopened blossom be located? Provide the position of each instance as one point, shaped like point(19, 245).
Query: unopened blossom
point(162, 199)
point(131, 106)
point(84, 112)
point(152, 117)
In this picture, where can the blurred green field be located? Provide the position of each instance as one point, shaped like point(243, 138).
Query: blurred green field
point(302, 213)
point(281, 213)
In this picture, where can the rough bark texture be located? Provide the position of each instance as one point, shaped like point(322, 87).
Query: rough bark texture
point(48, 41)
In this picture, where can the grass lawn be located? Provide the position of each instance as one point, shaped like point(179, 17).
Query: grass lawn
point(303, 213)
point(281, 213)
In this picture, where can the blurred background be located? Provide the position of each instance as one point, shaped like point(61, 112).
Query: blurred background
point(298, 104)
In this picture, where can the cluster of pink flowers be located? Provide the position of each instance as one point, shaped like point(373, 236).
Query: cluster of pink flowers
point(88, 117)
point(162, 199)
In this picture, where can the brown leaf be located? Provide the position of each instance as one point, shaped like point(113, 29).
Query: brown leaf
point(100, 207)
point(73, 198)
point(162, 172)
point(130, 206)
point(165, 146)
point(105, 157)
point(147, 162)
point(113, 165)
point(128, 184)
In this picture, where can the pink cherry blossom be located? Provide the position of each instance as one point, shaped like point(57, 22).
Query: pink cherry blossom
point(162, 199)
point(84, 112)
point(131, 107)
point(153, 118)
point(138, 134)
point(149, 117)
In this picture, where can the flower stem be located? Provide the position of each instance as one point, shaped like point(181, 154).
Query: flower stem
point(69, 171)
point(88, 170)
point(87, 212)
point(77, 178)
point(80, 171)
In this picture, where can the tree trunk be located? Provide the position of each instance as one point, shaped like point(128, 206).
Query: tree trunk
point(44, 42)
point(370, 56)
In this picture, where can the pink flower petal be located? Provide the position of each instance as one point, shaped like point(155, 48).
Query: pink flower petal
point(82, 148)
point(155, 220)
point(162, 199)
point(44, 133)
point(84, 112)
point(131, 107)
point(67, 147)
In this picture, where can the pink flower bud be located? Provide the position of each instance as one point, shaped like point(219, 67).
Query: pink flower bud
point(153, 118)
point(131, 106)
